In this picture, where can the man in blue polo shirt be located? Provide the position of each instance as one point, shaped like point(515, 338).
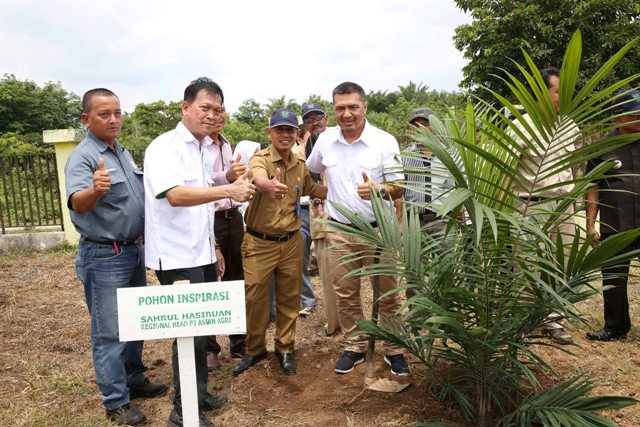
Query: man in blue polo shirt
point(106, 202)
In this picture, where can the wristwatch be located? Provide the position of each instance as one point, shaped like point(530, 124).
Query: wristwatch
point(383, 192)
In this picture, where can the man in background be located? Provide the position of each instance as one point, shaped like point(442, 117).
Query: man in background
point(618, 200)
point(228, 227)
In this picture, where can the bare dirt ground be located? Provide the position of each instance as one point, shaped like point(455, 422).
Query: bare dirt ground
point(47, 379)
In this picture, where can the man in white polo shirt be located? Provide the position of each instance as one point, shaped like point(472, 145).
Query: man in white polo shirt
point(179, 238)
point(358, 158)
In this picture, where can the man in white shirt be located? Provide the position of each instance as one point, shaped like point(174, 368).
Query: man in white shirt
point(179, 238)
point(359, 160)
point(539, 190)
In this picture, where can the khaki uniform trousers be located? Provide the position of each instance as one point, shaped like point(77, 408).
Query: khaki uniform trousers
point(348, 290)
point(261, 260)
point(323, 256)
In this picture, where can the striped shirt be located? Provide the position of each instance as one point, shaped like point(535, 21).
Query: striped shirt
point(426, 180)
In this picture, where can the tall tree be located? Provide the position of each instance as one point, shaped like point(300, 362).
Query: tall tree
point(147, 121)
point(251, 113)
point(26, 107)
point(502, 28)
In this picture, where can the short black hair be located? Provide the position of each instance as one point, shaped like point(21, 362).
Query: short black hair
point(202, 83)
point(348, 87)
point(547, 73)
point(88, 96)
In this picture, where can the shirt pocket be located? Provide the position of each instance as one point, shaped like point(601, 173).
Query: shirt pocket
point(192, 180)
point(118, 191)
point(372, 167)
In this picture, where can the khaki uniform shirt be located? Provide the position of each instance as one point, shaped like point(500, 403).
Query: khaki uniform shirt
point(278, 217)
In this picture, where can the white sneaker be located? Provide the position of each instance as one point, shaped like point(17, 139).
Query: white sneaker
point(306, 311)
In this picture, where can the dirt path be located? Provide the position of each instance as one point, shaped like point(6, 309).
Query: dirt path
point(46, 375)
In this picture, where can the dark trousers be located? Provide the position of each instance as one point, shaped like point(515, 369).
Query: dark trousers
point(202, 274)
point(616, 301)
point(229, 233)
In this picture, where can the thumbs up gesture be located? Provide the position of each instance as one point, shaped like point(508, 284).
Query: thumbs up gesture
point(101, 179)
point(364, 189)
point(236, 168)
point(278, 189)
point(242, 189)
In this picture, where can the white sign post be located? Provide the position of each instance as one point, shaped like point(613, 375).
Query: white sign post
point(182, 312)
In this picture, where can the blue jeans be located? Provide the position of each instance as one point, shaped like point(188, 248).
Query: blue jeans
point(307, 298)
point(118, 365)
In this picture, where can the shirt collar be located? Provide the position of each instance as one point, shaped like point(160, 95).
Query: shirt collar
point(102, 147)
point(365, 136)
point(188, 137)
point(275, 155)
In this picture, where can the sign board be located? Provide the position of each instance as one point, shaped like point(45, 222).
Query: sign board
point(181, 310)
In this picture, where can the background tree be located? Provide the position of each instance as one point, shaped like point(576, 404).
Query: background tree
point(147, 121)
point(501, 28)
point(251, 113)
point(390, 110)
point(26, 107)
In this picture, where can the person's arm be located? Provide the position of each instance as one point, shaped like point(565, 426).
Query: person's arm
point(183, 196)
point(86, 200)
point(592, 199)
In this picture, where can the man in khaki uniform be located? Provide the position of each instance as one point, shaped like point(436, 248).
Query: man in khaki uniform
point(315, 122)
point(272, 244)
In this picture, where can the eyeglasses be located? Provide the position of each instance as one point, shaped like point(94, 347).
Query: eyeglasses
point(313, 119)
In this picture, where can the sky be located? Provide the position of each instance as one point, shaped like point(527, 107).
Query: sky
point(150, 50)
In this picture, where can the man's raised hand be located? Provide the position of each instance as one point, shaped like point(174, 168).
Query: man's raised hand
point(101, 179)
point(236, 169)
point(278, 189)
point(364, 189)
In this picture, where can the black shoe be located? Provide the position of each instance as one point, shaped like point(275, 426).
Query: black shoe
point(247, 362)
point(147, 390)
point(287, 362)
point(398, 364)
point(126, 415)
point(348, 361)
point(175, 420)
point(605, 335)
point(212, 403)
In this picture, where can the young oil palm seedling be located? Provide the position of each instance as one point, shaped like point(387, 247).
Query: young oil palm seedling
point(487, 286)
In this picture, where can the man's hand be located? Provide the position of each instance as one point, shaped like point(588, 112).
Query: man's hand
point(236, 168)
point(242, 188)
point(220, 263)
point(591, 231)
point(278, 189)
point(364, 189)
point(101, 179)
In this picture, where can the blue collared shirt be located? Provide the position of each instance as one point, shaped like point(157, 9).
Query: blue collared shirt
point(119, 214)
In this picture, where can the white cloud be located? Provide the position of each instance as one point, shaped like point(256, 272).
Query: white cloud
point(150, 50)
